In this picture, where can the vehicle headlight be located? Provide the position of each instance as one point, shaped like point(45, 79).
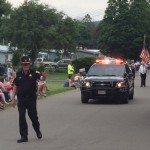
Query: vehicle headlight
point(120, 85)
point(87, 84)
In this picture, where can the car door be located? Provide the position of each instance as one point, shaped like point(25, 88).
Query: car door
point(61, 64)
point(66, 62)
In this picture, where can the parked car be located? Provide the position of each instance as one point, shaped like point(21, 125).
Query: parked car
point(62, 64)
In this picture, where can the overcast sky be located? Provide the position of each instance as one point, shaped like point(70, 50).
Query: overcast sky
point(74, 8)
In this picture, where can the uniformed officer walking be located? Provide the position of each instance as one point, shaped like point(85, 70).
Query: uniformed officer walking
point(25, 87)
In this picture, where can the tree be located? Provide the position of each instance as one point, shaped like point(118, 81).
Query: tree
point(32, 27)
point(87, 18)
point(5, 10)
point(83, 39)
point(66, 36)
point(123, 27)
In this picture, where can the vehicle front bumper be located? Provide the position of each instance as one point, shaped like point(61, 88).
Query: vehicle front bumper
point(109, 93)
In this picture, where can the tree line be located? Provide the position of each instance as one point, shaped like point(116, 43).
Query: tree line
point(122, 30)
point(34, 26)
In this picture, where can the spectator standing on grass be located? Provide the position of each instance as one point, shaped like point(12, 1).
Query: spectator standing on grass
point(70, 70)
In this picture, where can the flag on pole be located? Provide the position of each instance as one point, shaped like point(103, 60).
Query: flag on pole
point(145, 56)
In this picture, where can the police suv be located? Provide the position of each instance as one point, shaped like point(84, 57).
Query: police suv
point(108, 78)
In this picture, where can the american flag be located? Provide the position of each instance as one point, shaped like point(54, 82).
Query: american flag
point(145, 56)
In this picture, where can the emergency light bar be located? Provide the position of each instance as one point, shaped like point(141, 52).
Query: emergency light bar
point(109, 61)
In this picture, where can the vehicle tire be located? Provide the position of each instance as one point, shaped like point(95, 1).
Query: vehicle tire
point(125, 100)
point(131, 96)
point(84, 99)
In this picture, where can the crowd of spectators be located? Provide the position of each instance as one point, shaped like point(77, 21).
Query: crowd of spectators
point(6, 86)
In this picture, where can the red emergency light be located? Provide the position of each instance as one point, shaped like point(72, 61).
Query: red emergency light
point(109, 61)
point(118, 61)
point(103, 61)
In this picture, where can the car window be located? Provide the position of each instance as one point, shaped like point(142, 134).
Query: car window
point(106, 70)
point(61, 61)
point(67, 61)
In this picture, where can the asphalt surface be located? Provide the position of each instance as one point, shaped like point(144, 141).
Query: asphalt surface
point(67, 124)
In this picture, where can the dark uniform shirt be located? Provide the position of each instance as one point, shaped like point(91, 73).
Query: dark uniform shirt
point(26, 84)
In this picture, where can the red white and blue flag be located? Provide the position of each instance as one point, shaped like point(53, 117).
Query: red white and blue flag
point(145, 56)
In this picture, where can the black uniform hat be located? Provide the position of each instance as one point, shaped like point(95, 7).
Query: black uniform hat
point(25, 60)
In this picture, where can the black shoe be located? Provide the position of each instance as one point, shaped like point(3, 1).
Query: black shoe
point(23, 139)
point(39, 135)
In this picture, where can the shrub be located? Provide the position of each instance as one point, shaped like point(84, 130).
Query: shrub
point(84, 62)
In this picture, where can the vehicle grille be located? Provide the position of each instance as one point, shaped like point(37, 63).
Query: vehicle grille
point(103, 84)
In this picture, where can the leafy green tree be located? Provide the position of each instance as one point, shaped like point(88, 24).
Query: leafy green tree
point(123, 27)
point(87, 18)
point(16, 58)
point(140, 22)
point(5, 10)
point(32, 27)
point(83, 34)
point(66, 36)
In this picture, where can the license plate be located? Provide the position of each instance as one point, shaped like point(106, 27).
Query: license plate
point(101, 92)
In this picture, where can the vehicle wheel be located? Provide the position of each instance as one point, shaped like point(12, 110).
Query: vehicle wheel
point(84, 99)
point(125, 100)
point(131, 96)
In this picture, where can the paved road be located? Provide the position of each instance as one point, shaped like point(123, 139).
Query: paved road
point(69, 125)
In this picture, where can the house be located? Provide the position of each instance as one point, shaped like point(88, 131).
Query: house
point(5, 54)
point(88, 53)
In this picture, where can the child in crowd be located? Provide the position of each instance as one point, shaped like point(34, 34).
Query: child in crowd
point(77, 80)
point(4, 90)
point(42, 86)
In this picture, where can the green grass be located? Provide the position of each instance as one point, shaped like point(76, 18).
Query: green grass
point(54, 87)
point(57, 86)
point(57, 76)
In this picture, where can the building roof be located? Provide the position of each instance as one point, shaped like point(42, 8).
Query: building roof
point(90, 51)
point(4, 48)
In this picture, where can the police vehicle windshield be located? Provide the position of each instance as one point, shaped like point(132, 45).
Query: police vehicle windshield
point(106, 70)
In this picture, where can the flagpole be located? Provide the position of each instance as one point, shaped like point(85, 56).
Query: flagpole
point(144, 41)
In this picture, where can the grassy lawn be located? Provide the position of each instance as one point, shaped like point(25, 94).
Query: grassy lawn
point(57, 76)
point(55, 87)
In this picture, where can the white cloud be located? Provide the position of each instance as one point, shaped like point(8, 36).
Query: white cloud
point(75, 8)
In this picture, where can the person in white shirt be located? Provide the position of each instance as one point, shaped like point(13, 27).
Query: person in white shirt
point(142, 72)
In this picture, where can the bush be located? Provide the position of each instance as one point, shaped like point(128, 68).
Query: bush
point(84, 62)
point(40, 68)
